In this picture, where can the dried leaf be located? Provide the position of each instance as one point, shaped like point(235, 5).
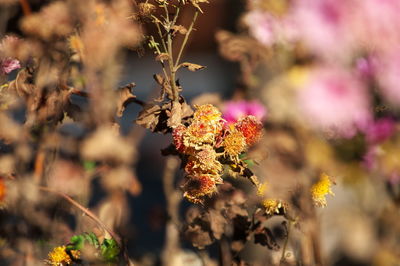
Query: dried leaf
point(187, 110)
point(149, 116)
point(175, 115)
point(105, 145)
point(23, 84)
point(192, 67)
point(217, 223)
point(125, 97)
point(197, 236)
point(180, 29)
point(162, 57)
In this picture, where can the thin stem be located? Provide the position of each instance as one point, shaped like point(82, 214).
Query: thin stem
point(166, 12)
point(186, 39)
point(161, 62)
point(160, 34)
point(286, 243)
point(86, 211)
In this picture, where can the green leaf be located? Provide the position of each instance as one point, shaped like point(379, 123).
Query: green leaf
point(89, 165)
point(109, 250)
point(92, 239)
point(78, 241)
point(249, 162)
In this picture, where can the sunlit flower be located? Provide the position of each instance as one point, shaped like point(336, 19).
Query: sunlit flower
point(59, 257)
point(274, 206)
point(234, 143)
point(235, 110)
point(320, 189)
point(251, 128)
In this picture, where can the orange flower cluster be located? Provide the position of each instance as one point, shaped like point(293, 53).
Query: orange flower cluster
point(207, 143)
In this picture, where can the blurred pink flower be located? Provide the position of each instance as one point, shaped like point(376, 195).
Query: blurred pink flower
point(388, 75)
point(8, 65)
point(261, 26)
point(269, 29)
point(376, 24)
point(323, 26)
point(234, 110)
point(380, 130)
point(333, 100)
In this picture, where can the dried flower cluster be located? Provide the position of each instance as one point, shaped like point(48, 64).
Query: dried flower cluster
point(208, 143)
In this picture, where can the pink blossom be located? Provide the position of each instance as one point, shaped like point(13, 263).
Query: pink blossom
point(388, 74)
point(261, 26)
point(234, 110)
point(323, 26)
point(380, 130)
point(9, 64)
point(269, 29)
point(335, 101)
point(376, 24)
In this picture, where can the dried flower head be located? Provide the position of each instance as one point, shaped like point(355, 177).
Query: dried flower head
point(177, 136)
point(207, 112)
point(59, 257)
point(197, 187)
point(146, 9)
point(200, 133)
point(206, 161)
point(274, 206)
point(234, 143)
point(320, 189)
point(251, 128)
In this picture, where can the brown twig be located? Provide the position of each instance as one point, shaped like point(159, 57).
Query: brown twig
point(26, 8)
point(90, 214)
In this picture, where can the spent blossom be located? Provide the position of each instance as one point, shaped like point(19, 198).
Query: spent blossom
point(207, 143)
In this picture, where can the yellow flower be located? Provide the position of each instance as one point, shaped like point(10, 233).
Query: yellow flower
point(273, 206)
point(234, 143)
point(59, 256)
point(320, 189)
point(261, 189)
